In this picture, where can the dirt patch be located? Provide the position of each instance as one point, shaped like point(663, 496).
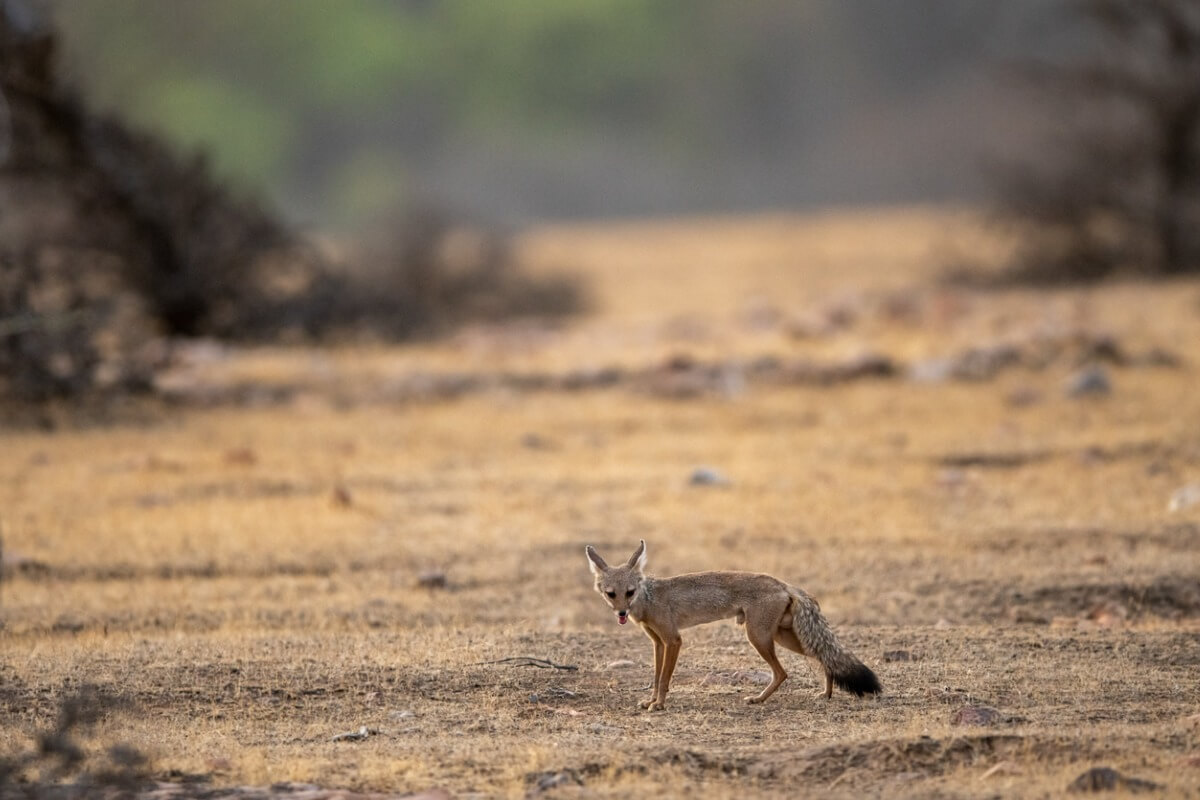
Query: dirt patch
point(924, 755)
point(1166, 597)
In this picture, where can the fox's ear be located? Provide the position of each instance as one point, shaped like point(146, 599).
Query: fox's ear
point(638, 559)
point(595, 562)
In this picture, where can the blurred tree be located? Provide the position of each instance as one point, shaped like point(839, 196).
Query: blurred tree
point(1120, 193)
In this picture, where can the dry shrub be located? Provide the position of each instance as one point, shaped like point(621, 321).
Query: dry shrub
point(60, 766)
point(425, 273)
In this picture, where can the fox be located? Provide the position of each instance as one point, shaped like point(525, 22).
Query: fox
point(772, 612)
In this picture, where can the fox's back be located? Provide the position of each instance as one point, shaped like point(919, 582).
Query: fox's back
point(699, 597)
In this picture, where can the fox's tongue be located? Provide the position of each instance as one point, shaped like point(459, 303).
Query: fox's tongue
point(622, 618)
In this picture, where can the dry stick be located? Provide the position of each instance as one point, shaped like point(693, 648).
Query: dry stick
point(528, 661)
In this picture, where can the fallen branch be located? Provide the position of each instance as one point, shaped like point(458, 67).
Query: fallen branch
point(355, 736)
point(528, 661)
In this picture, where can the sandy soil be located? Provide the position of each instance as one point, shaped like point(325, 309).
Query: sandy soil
point(309, 542)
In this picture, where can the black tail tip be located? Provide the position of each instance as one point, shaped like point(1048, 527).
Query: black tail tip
point(859, 680)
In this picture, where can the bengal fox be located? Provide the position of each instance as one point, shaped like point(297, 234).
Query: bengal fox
point(772, 611)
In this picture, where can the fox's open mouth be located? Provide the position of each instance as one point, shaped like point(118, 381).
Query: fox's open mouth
point(622, 617)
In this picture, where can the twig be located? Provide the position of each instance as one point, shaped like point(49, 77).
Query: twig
point(528, 661)
point(355, 736)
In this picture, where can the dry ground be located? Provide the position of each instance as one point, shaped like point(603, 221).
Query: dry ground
point(247, 575)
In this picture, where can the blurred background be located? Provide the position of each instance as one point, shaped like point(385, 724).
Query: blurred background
point(533, 110)
point(312, 172)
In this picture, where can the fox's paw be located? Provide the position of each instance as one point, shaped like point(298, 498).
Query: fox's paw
point(754, 700)
point(647, 703)
point(654, 705)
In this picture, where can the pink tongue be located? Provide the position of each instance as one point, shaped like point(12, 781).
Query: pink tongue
point(622, 620)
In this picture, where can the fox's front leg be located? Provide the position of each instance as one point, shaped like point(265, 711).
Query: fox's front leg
point(659, 650)
point(670, 656)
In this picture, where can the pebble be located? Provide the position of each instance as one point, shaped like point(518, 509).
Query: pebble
point(707, 476)
point(1089, 382)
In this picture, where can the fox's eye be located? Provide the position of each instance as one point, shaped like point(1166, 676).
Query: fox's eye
point(611, 594)
point(629, 593)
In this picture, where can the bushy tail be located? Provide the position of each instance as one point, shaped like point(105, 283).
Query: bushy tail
point(817, 637)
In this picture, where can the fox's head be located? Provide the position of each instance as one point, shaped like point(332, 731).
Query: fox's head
point(618, 585)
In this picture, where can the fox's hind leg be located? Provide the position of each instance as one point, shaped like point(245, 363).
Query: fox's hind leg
point(760, 630)
point(787, 638)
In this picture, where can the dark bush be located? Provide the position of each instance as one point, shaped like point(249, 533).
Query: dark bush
point(425, 273)
point(1119, 192)
point(111, 243)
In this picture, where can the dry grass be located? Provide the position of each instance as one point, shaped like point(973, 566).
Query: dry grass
point(247, 577)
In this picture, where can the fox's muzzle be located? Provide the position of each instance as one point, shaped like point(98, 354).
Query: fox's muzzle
point(622, 617)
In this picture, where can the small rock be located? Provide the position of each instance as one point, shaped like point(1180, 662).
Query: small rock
point(432, 579)
point(535, 441)
point(892, 656)
point(934, 370)
point(1107, 779)
point(1184, 497)
point(1089, 382)
point(707, 476)
point(545, 781)
point(976, 715)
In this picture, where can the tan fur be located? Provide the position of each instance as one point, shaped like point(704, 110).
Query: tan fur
point(772, 611)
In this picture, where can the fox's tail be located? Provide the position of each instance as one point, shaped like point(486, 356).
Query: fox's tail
point(817, 637)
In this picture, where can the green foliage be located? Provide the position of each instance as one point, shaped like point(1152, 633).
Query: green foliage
point(284, 92)
point(277, 90)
